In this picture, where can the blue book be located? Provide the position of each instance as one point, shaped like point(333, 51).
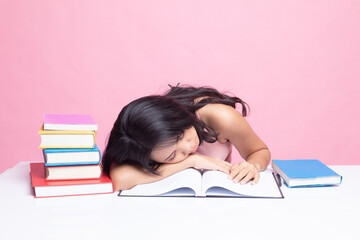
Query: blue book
point(305, 173)
point(71, 156)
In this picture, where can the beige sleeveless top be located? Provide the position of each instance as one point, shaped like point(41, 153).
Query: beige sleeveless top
point(216, 149)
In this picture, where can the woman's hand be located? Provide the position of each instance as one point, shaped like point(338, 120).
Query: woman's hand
point(244, 172)
point(209, 163)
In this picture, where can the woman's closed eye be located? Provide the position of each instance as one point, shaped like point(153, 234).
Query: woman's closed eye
point(171, 156)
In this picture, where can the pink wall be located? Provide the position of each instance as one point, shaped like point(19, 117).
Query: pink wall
point(297, 63)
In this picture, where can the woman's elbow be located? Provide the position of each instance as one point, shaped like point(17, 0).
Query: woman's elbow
point(121, 180)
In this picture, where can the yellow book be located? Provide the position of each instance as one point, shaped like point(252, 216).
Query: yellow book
point(67, 139)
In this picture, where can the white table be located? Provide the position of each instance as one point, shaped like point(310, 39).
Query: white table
point(306, 213)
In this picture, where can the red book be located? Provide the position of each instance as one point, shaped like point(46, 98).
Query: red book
point(44, 188)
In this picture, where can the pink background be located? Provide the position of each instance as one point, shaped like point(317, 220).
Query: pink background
point(297, 64)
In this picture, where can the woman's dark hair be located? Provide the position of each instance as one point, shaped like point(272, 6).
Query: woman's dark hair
point(186, 96)
point(158, 120)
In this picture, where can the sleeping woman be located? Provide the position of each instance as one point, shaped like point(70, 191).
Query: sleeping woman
point(156, 136)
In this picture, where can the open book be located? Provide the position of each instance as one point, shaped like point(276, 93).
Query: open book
point(193, 183)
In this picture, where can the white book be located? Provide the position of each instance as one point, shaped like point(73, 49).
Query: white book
point(193, 183)
point(73, 172)
point(67, 139)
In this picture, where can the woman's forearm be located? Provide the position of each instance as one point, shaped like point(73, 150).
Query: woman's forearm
point(167, 169)
point(127, 176)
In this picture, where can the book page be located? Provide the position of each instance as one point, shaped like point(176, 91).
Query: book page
point(183, 183)
point(216, 183)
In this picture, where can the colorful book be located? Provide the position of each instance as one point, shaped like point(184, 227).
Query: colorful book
point(44, 188)
point(67, 139)
point(73, 172)
point(193, 183)
point(71, 156)
point(305, 173)
point(75, 122)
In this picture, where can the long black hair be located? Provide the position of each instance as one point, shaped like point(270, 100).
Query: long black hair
point(157, 120)
point(186, 96)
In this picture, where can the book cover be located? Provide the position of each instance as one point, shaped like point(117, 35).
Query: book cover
point(71, 156)
point(44, 188)
point(193, 183)
point(69, 122)
point(67, 139)
point(306, 172)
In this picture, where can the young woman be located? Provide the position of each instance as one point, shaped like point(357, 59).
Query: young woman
point(157, 136)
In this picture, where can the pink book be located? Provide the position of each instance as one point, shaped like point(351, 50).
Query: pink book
point(76, 122)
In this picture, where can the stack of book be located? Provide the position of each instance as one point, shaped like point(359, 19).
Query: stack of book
point(71, 158)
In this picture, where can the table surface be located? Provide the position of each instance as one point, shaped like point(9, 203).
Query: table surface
point(311, 213)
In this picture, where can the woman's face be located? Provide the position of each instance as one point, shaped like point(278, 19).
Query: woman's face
point(177, 152)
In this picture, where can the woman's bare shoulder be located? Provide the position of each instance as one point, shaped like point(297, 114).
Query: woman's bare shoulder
point(215, 114)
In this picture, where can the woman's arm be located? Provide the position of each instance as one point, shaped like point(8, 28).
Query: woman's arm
point(232, 126)
point(128, 176)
